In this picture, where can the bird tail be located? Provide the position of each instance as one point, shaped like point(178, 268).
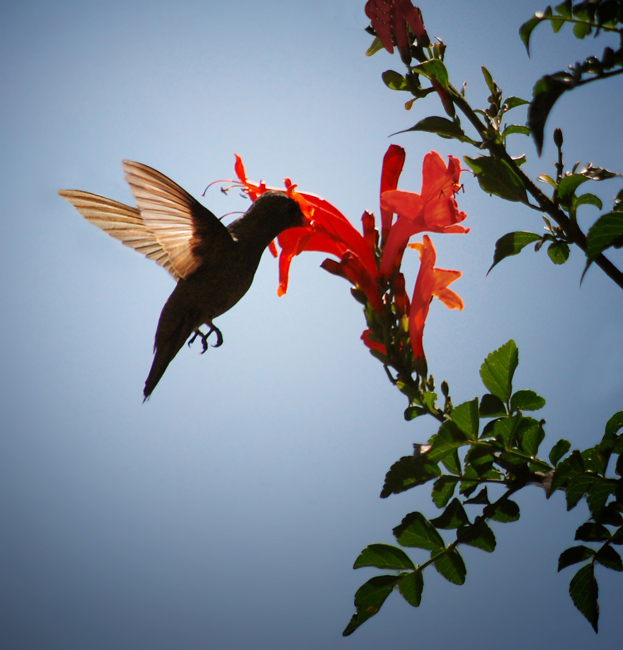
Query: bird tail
point(165, 353)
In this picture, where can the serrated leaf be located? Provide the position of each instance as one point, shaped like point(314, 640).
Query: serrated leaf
point(409, 472)
point(451, 566)
point(605, 232)
point(558, 451)
point(512, 244)
point(452, 462)
point(478, 535)
point(416, 531)
point(498, 369)
point(526, 400)
point(369, 599)
point(384, 556)
point(609, 558)
point(482, 498)
point(466, 417)
point(411, 586)
point(441, 126)
point(614, 424)
point(577, 486)
point(597, 496)
point(592, 532)
point(558, 252)
point(491, 407)
point(443, 489)
point(448, 439)
point(574, 555)
point(504, 512)
point(530, 435)
point(453, 516)
point(497, 177)
point(584, 592)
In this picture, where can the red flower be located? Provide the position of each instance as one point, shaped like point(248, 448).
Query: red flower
point(390, 18)
point(430, 282)
point(366, 337)
point(433, 210)
point(329, 231)
point(393, 162)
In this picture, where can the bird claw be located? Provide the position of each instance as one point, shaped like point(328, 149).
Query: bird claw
point(204, 338)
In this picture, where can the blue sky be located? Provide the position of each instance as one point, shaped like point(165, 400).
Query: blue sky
point(227, 511)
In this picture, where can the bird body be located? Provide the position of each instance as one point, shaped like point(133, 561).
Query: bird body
point(213, 264)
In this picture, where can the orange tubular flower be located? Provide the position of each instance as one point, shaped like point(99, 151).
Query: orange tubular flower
point(430, 282)
point(329, 231)
point(393, 162)
point(433, 210)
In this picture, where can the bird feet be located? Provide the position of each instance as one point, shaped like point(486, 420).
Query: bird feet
point(204, 338)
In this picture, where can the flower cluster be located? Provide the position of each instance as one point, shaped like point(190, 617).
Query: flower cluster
point(373, 267)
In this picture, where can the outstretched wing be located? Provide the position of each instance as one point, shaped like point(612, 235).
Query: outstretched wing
point(121, 222)
point(185, 229)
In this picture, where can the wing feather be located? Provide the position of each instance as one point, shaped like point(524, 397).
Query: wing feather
point(121, 222)
point(185, 229)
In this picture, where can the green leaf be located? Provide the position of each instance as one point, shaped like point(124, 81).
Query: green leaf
point(568, 186)
point(375, 46)
point(512, 244)
point(412, 412)
point(545, 93)
point(530, 435)
point(498, 369)
point(577, 486)
point(592, 532)
point(587, 199)
point(491, 85)
point(496, 176)
point(609, 558)
point(505, 511)
point(515, 128)
point(451, 566)
point(574, 555)
point(384, 556)
point(482, 498)
point(491, 407)
point(441, 126)
point(478, 535)
point(411, 586)
point(409, 472)
point(416, 531)
point(452, 462)
point(598, 494)
point(613, 425)
point(584, 591)
point(394, 80)
point(558, 252)
point(434, 69)
point(513, 102)
point(526, 400)
point(369, 599)
point(558, 451)
point(448, 439)
point(453, 516)
point(605, 232)
point(467, 418)
point(443, 489)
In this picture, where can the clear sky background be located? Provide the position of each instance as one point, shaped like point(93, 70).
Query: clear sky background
point(227, 511)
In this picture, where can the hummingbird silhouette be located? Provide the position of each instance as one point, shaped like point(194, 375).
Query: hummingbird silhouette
point(213, 264)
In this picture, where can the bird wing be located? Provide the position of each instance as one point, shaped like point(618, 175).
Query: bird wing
point(185, 229)
point(121, 222)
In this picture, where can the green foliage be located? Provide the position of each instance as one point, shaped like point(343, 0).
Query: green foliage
point(489, 443)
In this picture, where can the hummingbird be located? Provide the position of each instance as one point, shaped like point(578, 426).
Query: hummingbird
point(213, 264)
